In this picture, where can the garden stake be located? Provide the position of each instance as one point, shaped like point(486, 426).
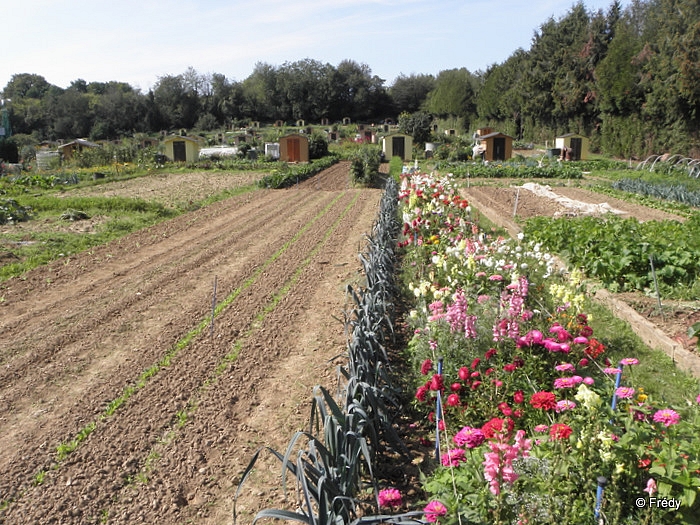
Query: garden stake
point(515, 206)
point(602, 481)
point(213, 307)
point(618, 377)
point(656, 284)
point(438, 414)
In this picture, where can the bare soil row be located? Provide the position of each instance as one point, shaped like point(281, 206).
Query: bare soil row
point(77, 334)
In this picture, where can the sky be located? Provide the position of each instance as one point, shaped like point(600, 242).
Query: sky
point(138, 42)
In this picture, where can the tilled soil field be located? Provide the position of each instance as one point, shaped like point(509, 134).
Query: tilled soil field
point(121, 402)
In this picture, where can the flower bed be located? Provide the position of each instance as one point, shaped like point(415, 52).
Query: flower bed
point(532, 421)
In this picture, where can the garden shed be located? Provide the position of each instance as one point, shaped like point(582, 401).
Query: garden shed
point(499, 146)
point(294, 148)
point(398, 145)
point(576, 146)
point(181, 149)
point(68, 149)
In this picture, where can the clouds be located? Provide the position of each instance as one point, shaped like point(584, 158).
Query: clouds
point(137, 42)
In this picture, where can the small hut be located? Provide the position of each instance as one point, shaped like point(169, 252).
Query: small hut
point(398, 145)
point(572, 146)
point(69, 148)
point(497, 146)
point(181, 149)
point(294, 148)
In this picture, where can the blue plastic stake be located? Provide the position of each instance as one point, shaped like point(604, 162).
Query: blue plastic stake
point(602, 481)
point(618, 377)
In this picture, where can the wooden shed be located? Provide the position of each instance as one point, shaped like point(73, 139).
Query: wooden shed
point(294, 148)
point(572, 146)
point(181, 149)
point(398, 145)
point(69, 148)
point(499, 146)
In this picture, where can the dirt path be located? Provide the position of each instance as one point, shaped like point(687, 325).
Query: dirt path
point(128, 324)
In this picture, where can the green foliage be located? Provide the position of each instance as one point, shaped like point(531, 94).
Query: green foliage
point(11, 212)
point(365, 163)
point(673, 192)
point(286, 175)
point(496, 170)
point(618, 251)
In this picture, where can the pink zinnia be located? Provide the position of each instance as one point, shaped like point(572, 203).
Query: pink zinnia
point(697, 399)
point(453, 400)
point(611, 370)
point(453, 457)
point(624, 392)
point(565, 367)
point(564, 405)
point(426, 366)
point(627, 361)
point(469, 437)
point(434, 510)
point(541, 428)
point(667, 416)
point(389, 498)
point(496, 277)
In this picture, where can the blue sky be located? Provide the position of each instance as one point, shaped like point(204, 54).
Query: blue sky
point(139, 41)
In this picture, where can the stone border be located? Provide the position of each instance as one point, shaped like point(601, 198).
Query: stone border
point(648, 332)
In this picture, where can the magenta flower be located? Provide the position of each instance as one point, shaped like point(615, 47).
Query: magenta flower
point(426, 366)
point(697, 399)
point(565, 367)
point(611, 370)
point(434, 511)
point(624, 392)
point(453, 400)
point(667, 416)
point(389, 498)
point(496, 277)
point(627, 361)
point(541, 428)
point(588, 381)
point(453, 457)
point(567, 382)
point(469, 437)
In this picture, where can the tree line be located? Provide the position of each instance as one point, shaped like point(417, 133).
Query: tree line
point(627, 78)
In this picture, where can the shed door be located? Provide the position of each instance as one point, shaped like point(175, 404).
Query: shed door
point(293, 150)
point(499, 148)
point(179, 151)
point(576, 148)
point(398, 147)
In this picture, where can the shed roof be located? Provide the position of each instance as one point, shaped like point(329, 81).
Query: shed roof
point(170, 138)
point(80, 142)
point(494, 134)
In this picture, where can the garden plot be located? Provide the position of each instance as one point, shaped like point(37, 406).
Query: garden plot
point(664, 328)
point(120, 403)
